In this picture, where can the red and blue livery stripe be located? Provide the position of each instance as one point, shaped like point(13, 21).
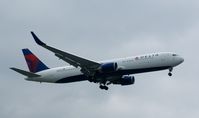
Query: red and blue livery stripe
point(34, 64)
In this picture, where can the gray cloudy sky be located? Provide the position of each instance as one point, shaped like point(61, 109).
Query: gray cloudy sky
point(97, 30)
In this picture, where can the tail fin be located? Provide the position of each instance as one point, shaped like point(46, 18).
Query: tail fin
point(34, 64)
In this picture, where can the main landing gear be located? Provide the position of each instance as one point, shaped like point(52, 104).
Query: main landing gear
point(103, 84)
point(103, 87)
point(170, 70)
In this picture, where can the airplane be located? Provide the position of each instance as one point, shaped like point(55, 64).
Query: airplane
point(117, 71)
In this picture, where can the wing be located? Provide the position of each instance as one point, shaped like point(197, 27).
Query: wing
point(88, 67)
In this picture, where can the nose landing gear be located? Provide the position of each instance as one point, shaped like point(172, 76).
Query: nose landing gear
point(170, 74)
point(170, 70)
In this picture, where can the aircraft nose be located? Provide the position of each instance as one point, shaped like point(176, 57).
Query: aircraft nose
point(180, 59)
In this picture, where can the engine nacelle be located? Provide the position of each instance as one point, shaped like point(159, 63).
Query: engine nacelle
point(127, 80)
point(108, 67)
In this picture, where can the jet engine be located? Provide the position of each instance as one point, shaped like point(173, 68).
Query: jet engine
point(108, 67)
point(127, 80)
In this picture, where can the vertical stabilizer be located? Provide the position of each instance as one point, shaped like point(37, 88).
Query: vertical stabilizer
point(34, 64)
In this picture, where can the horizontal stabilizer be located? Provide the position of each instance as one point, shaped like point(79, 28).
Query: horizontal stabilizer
point(25, 73)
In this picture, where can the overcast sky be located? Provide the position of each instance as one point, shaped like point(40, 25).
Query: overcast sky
point(100, 30)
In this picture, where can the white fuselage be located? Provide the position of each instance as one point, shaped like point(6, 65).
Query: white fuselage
point(126, 66)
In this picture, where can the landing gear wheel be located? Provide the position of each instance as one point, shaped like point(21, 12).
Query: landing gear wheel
point(170, 70)
point(170, 74)
point(103, 87)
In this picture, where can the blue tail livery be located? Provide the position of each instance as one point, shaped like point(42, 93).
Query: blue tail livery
point(34, 64)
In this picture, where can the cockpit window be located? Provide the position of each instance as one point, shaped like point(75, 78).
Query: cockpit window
point(174, 54)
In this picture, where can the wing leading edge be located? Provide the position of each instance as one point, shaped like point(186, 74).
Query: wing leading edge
point(88, 67)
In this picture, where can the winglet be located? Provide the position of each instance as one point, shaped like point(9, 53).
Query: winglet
point(37, 40)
